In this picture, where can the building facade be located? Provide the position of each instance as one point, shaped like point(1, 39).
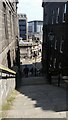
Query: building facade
point(55, 37)
point(28, 49)
point(35, 29)
point(8, 32)
point(23, 32)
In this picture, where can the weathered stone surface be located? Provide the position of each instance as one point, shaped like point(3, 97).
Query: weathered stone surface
point(7, 38)
point(6, 87)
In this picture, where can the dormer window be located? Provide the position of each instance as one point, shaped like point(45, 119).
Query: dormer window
point(57, 17)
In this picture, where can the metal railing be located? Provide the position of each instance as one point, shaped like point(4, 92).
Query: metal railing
point(60, 73)
point(6, 73)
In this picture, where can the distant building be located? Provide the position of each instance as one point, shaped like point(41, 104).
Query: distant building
point(55, 36)
point(8, 32)
point(27, 49)
point(23, 33)
point(35, 29)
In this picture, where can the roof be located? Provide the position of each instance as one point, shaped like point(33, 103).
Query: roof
point(54, 1)
point(44, 2)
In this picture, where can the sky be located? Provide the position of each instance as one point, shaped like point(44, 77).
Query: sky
point(32, 8)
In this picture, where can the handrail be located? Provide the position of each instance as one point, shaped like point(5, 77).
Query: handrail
point(6, 70)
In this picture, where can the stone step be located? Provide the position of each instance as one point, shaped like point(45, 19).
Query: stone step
point(35, 113)
point(33, 81)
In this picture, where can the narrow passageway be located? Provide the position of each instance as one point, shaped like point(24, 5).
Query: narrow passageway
point(34, 59)
point(39, 101)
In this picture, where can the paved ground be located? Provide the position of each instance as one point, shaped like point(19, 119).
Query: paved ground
point(39, 101)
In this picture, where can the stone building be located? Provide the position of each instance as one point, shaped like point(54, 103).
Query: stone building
point(27, 50)
point(55, 36)
point(8, 32)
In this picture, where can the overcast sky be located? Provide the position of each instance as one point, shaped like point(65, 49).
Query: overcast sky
point(32, 8)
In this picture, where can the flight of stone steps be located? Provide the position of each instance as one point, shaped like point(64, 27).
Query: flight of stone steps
point(39, 101)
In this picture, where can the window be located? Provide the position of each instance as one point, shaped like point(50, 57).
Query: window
point(23, 28)
point(65, 6)
point(61, 45)
point(64, 13)
point(53, 17)
point(55, 44)
point(59, 65)
point(22, 22)
point(10, 22)
point(54, 64)
point(57, 17)
point(13, 18)
point(5, 20)
point(51, 58)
